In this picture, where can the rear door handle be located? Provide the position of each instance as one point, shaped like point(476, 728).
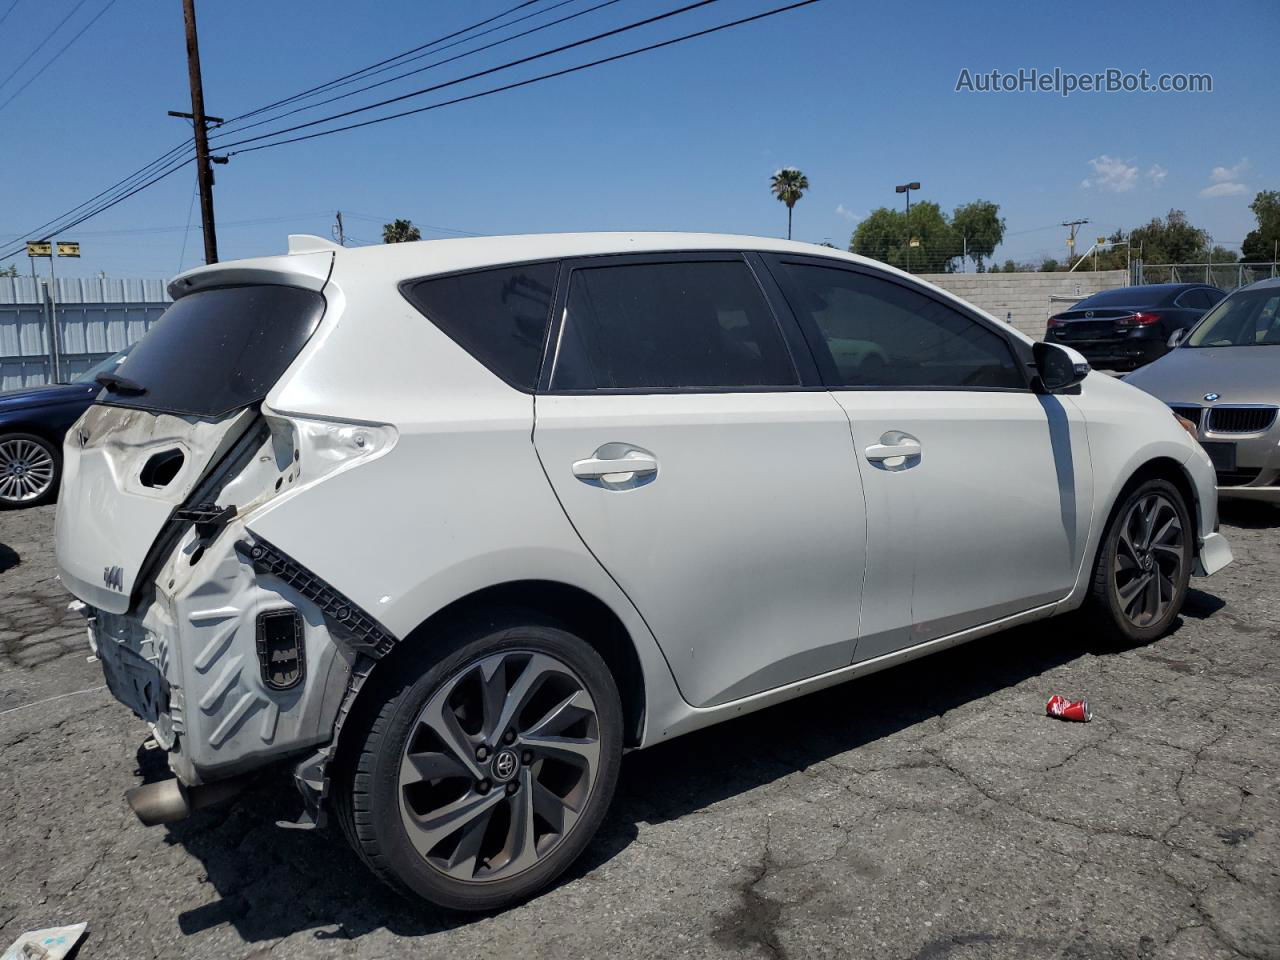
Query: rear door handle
point(617, 466)
point(895, 451)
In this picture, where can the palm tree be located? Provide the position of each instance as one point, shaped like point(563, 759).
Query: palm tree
point(789, 185)
point(401, 231)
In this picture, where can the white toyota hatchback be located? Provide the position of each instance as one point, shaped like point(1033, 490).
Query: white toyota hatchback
point(450, 526)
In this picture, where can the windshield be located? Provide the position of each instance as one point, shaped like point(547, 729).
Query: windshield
point(216, 350)
point(1250, 318)
point(102, 366)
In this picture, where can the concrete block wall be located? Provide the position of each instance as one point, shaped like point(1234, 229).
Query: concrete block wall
point(1027, 300)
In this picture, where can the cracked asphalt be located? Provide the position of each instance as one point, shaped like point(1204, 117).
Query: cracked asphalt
point(928, 812)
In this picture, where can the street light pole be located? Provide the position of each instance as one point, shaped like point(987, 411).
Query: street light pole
point(907, 188)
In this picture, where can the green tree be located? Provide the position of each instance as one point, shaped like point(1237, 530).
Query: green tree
point(789, 185)
point(10, 271)
point(401, 231)
point(1170, 240)
point(1260, 245)
point(980, 228)
point(887, 236)
point(1050, 265)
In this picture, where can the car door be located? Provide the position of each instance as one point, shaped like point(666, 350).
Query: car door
point(699, 459)
point(977, 489)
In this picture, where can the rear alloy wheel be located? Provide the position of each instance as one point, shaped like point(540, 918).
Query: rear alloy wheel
point(1145, 565)
point(486, 777)
point(499, 765)
point(28, 470)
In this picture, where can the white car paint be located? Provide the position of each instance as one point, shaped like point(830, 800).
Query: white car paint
point(464, 482)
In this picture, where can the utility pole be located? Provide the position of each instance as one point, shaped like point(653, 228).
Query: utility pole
point(338, 233)
point(1072, 225)
point(200, 122)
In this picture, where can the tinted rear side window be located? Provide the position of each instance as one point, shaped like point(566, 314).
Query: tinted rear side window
point(498, 316)
point(218, 350)
point(670, 326)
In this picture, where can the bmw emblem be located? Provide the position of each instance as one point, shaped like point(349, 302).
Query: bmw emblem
point(1210, 397)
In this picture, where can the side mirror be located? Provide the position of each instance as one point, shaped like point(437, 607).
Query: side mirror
point(1060, 368)
point(1177, 337)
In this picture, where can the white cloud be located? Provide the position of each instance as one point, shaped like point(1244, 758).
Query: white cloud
point(1156, 174)
point(1226, 181)
point(1111, 173)
point(1229, 174)
point(1225, 189)
point(843, 211)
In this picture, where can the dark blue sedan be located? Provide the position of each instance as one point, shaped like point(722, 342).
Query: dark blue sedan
point(33, 421)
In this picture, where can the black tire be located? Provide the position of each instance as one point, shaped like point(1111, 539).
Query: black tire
point(1105, 604)
point(49, 450)
point(367, 787)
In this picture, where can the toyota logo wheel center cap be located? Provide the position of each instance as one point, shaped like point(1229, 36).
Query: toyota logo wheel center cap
point(504, 766)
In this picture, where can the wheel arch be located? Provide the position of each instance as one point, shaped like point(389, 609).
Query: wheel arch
point(1159, 468)
point(35, 428)
point(572, 607)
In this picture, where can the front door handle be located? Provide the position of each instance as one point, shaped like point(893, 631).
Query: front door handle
point(617, 466)
point(895, 451)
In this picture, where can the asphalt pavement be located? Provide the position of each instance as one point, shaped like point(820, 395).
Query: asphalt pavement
point(928, 812)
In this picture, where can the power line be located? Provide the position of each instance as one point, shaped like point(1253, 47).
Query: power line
point(5, 16)
point(107, 204)
point(122, 184)
point(125, 185)
point(398, 56)
point(167, 164)
point(433, 227)
point(474, 76)
point(48, 63)
point(532, 80)
point(438, 63)
point(40, 45)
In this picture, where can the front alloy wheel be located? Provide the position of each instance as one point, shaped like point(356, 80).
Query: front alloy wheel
point(1149, 559)
point(1143, 568)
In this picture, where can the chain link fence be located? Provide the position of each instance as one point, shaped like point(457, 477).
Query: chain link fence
point(1224, 276)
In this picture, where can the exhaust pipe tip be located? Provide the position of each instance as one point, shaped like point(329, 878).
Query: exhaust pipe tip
point(168, 801)
point(162, 802)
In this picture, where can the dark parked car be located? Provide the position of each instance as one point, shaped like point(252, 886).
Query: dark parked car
point(33, 421)
point(1126, 328)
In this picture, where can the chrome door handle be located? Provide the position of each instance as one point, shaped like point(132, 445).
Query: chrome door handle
point(594, 468)
point(617, 466)
point(895, 451)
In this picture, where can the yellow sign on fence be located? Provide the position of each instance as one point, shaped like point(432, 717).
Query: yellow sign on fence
point(68, 248)
point(40, 249)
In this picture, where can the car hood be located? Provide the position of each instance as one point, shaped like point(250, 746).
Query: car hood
point(44, 396)
point(1235, 374)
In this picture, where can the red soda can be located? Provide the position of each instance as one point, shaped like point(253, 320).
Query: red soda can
point(1064, 709)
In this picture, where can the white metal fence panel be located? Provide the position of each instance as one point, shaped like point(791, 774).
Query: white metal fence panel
point(95, 317)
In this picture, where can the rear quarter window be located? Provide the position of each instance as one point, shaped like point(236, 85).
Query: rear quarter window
point(498, 316)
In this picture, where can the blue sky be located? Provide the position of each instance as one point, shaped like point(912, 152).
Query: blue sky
point(860, 96)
